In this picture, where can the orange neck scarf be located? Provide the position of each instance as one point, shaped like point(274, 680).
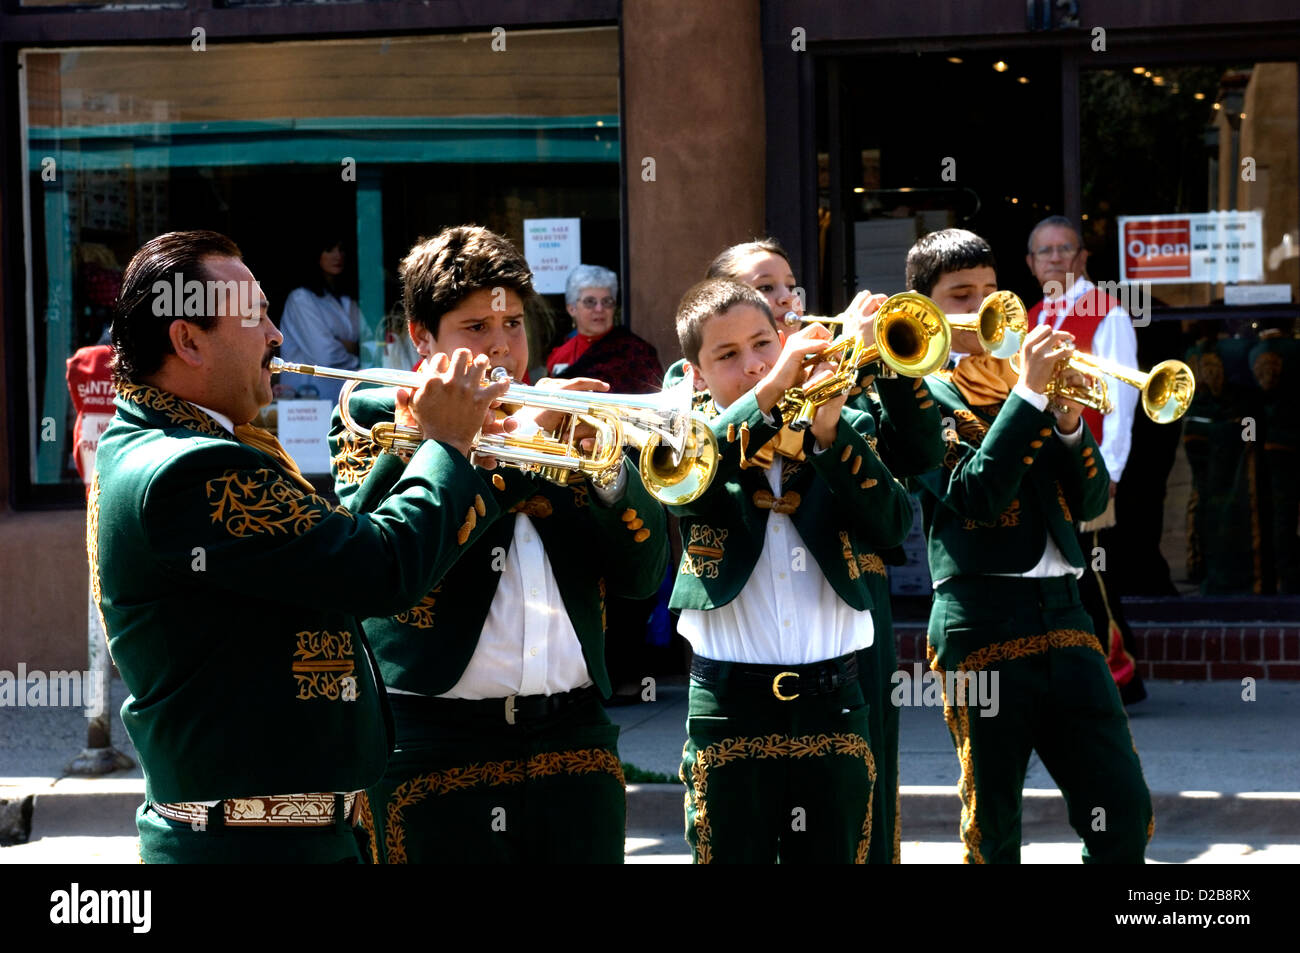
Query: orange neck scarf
point(984, 379)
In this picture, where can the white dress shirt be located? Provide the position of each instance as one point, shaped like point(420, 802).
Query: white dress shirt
point(1116, 341)
point(528, 646)
point(786, 614)
point(317, 330)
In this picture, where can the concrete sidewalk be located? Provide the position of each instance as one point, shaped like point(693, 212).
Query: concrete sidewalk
point(1221, 769)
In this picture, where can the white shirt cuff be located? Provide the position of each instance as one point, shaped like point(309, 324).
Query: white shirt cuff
point(1024, 393)
point(1072, 439)
point(612, 493)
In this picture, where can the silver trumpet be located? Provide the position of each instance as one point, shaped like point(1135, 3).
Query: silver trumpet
point(679, 453)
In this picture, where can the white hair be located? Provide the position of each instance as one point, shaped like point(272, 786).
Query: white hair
point(589, 276)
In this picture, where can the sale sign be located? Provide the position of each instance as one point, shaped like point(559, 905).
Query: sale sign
point(1215, 247)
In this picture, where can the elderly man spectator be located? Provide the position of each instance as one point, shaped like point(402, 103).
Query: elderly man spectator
point(600, 347)
point(1101, 326)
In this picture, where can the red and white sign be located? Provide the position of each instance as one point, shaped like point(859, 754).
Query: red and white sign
point(1216, 247)
point(90, 383)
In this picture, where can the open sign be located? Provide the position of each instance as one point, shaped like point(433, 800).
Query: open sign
point(1217, 247)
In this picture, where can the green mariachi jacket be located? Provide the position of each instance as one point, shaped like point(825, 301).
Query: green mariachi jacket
point(230, 598)
point(844, 502)
point(1005, 483)
point(594, 550)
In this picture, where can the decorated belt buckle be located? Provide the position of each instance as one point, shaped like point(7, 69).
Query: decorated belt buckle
point(776, 686)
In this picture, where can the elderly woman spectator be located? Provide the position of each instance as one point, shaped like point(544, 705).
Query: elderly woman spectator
point(600, 347)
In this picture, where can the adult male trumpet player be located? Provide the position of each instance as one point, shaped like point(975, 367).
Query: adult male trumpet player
point(220, 573)
point(504, 752)
point(1004, 560)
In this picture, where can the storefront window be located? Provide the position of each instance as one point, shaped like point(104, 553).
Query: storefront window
point(381, 140)
point(1189, 184)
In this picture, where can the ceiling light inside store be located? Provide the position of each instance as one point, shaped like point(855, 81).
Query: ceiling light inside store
point(1146, 73)
point(1139, 70)
point(1198, 95)
point(1015, 201)
point(1085, 214)
point(1218, 105)
point(1022, 79)
point(1158, 80)
point(955, 59)
point(859, 189)
point(1000, 66)
point(1243, 115)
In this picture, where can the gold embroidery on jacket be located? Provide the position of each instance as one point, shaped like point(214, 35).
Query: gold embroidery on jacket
point(488, 774)
point(324, 661)
point(702, 555)
point(247, 502)
point(1060, 498)
point(92, 550)
point(970, 427)
point(179, 411)
point(420, 616)
point(1008, 517)
point(770, 746)
point(871, 562)
point(355, 459)
point(850, 560)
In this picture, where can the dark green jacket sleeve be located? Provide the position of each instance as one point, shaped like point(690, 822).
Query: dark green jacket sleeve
point(910, 426)
point(873, 501)
point(1083, 475)
point(987, 478)
point(256, 530)
point(632, 535)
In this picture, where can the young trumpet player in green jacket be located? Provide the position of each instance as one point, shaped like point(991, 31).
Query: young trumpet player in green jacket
point(504, 752)
point(1006, 623)
point(907, 437)
point(775, 601)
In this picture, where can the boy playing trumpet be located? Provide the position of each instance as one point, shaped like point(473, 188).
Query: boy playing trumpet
point(504, 752)
point(773, 597)
point(1004, 560)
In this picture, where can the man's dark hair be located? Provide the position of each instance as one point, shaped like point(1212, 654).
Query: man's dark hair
point(727, 264)
point(439, 272)
point(703, 301)
point(140, 336)
point(1060, 221)
point(949, 249)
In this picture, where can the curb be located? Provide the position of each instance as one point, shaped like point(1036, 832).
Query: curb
point(89, 807)
point(936, 811)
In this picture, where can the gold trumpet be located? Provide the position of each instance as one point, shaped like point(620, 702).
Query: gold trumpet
point(912, 339)
point(679, 453)
point(1001, 322)
point(1166, 390)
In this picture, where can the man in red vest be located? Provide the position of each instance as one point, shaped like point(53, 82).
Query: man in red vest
point(1101, 326)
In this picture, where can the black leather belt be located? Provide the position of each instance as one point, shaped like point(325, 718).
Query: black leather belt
point(513, 709)
point(785, 682)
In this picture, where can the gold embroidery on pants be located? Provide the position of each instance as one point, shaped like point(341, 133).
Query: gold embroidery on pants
point(366, 821)
point(1029, 645)
point(325, 665)
point(958, 722)
point(898, 821)
point(488, 774)
point(769, 746)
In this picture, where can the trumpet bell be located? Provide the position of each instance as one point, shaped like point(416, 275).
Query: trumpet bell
point(1168, 391)
point(912, 335)
point(673, 477)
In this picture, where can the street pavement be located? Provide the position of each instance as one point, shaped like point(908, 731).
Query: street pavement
point(1224, 773)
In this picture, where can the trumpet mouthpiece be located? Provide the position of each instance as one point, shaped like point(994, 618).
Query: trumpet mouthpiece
point(792, 320)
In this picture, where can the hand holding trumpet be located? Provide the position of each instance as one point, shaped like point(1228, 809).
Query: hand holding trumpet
point(453, 405)
point(1042, 356)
